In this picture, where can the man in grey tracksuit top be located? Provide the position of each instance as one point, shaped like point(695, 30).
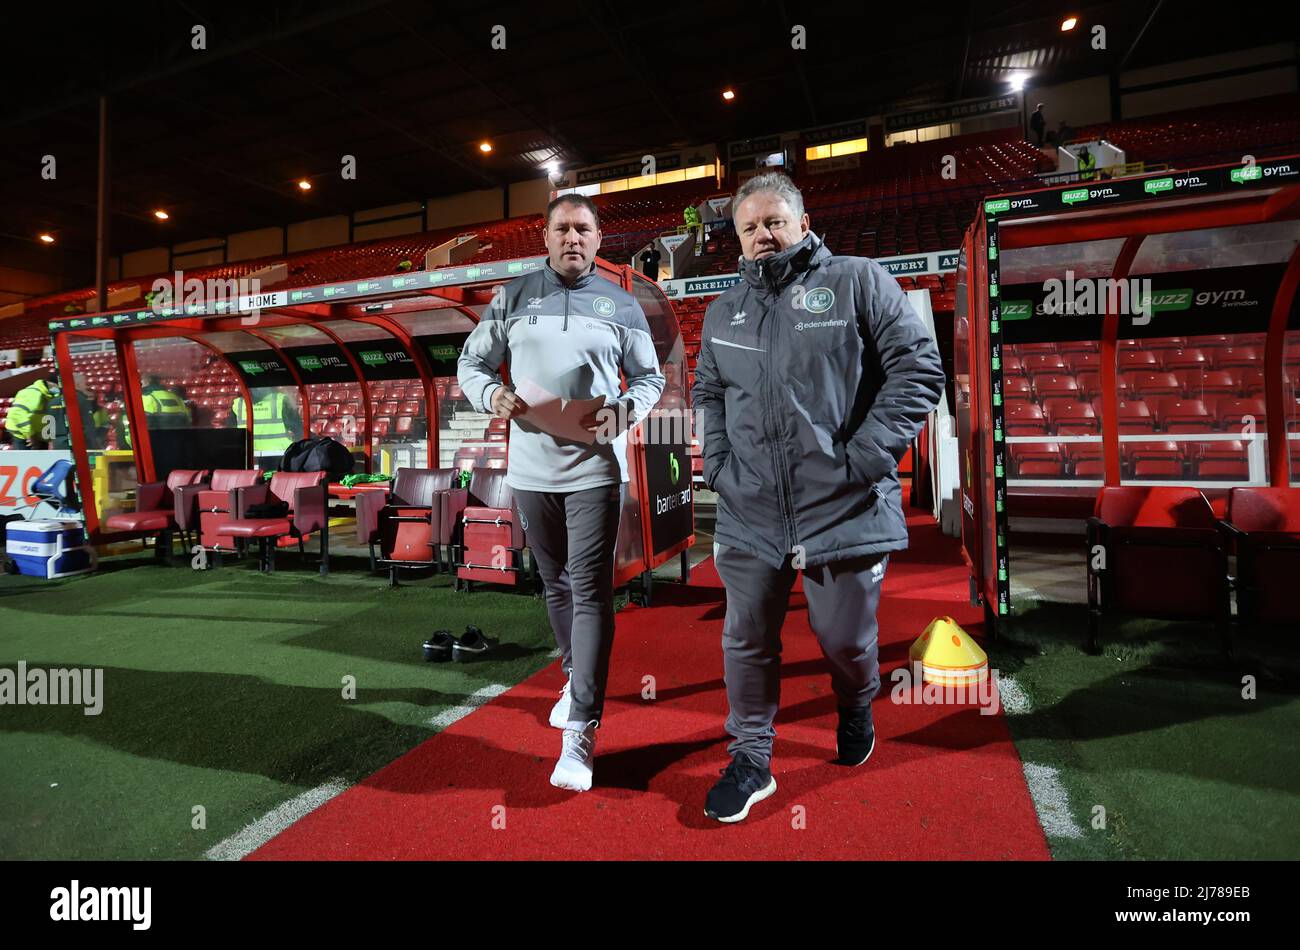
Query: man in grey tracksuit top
point(813, 377)
point(568, 332)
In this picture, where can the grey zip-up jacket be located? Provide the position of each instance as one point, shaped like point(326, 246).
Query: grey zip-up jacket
point(572, 342)
point(813, 378)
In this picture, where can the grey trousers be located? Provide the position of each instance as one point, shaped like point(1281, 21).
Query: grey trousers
point(572, 536)
point(842, 600)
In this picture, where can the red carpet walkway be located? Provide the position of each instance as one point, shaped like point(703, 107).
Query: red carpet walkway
point(944, 781)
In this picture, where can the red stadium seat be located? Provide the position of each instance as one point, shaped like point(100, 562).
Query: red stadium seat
point(1163, 557)
point(1050, 385)
point(1265, 528)
point(1016, 387)
point(1136, 359)
point(1049, 363)
point(1078, 362)
point(1246, 357)
point(1155, 459)
point(1071, 417)
point(1036, 460)
point(492, 538)
point(1233, 415)
point(157, 510)
point(1183, 415)
point(1147, 384)
point(1021, 417)
point(1133, 414)
point(217, 502)
point(405, 523)
point(307, 497)
point(1184, 358)
point(1200, 383)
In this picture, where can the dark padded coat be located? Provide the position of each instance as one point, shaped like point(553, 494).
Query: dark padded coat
point(813, 378)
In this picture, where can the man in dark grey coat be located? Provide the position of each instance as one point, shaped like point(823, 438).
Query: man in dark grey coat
point(813, 378)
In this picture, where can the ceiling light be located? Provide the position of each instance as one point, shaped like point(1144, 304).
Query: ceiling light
point(161, 215)
point(728, 94)
point(47, 238)
point(485, 147)
point(305, 185)
point(1069, 23)
point(1018, 81)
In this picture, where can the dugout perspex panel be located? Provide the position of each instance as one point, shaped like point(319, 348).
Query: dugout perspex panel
point(1192, 318)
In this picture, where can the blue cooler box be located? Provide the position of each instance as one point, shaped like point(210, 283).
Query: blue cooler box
point(49, 549)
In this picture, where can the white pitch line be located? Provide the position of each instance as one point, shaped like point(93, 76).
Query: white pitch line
point(472, 702)
point(1051, 801)
point(257, 833)
point(1014, 699)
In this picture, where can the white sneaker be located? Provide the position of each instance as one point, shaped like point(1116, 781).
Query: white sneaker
point(573, 770)
point(560, 711)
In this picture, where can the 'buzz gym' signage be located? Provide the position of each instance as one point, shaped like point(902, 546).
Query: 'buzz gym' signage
point(261, 368)
point(321, 363)
point(443, 350)
point(383, 359)
point(1099, 194)
point(324, 293)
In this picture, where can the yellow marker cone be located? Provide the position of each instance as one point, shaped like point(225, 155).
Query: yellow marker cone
point(948, 656)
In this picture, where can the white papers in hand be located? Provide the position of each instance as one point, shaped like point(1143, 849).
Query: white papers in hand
point(557, 415)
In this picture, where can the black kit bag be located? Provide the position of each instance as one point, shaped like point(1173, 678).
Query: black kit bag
point(318, 455)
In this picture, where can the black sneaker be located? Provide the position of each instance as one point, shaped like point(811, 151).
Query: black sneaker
point(437, 649)
point(471, 646)
point(743, 785)
point(856, 737)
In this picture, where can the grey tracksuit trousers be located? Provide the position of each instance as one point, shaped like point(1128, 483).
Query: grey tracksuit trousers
point(572, 536)
point(842, 600)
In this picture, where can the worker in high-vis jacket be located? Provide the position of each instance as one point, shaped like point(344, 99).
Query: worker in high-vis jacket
point(36, 415)
point(163, 408)
point(275, 421)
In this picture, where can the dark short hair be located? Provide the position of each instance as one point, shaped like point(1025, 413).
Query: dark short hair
point(578, 201)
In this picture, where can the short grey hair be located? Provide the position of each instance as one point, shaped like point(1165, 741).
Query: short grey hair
point(774, 182)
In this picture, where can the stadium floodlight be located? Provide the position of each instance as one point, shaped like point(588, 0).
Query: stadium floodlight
point(1069, 23)
point(47, 238)
point(161, 215)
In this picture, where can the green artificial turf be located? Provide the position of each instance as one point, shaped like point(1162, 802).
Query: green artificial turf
point(224, 689)
point(1157, 732)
